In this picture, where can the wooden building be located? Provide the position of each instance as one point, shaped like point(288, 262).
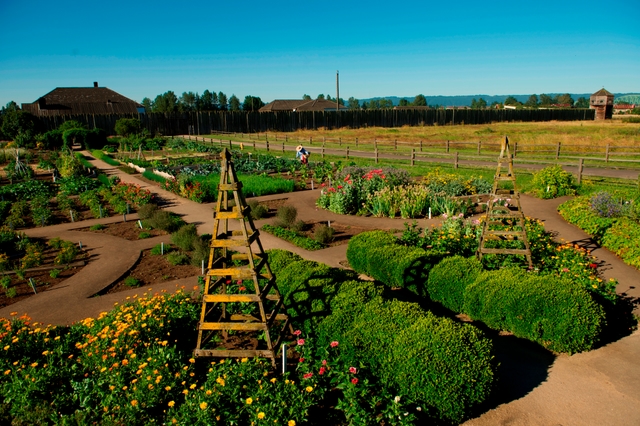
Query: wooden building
point(83, 100)
point(602, 102)
point(301, 105)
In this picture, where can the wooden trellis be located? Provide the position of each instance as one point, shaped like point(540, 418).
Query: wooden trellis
point(236, 261)
point(504, 220)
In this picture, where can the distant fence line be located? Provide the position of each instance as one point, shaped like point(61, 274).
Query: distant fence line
point(208, 122)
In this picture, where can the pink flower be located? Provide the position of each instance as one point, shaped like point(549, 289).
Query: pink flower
point(346, 179)
point(308, 375)
point(353, 370)
point(354, 381)
point(300, 342)
point(565, 269)
point(322, 370)
point(297, 333)
point(324, 362)
point(334, 343)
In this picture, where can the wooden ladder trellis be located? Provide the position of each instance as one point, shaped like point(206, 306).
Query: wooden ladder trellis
point(228, 272)
point(504, 220)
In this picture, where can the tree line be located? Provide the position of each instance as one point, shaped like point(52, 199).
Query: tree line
point(208, 101)
point(544, 101)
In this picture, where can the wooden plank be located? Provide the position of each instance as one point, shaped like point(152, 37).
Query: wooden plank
point(230, 353)
point(230, 242)
point(244, 273)
point(505, 251)
point(230, 186)
point(228, 215)
point(247, 326)
point(228, 298)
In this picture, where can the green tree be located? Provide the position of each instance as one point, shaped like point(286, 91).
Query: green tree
point(306, 97)
point(188, 101)
point(252, 103)
point(19, 126)
point(565, 99)
point(353, 103)
point(71, 124)
point(582, 102)
point(206, 101)
point(222, 101)
point(147, 104)
point(403, 102)
point(127, 126)
point(511, 101)
point(11, 106)
point(385, 103)
point(320, 96)
point(420, 100)
point(234, 103)
point(167, 102)
point(532, 102)
point(546, 100)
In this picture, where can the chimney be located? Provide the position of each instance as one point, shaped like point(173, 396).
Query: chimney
point(95, 84)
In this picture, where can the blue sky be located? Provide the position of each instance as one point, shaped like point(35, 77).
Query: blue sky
point(284, 49)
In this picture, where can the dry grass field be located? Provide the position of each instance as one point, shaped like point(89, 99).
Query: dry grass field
point(590, 133)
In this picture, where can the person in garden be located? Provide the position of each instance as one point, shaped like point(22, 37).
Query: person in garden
point(302, 154)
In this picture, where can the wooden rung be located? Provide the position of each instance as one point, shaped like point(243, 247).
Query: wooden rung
point(245, 256)
point(520, 233)
point(515, 215)
point(228, 215)
point(242, 273)
point(230, 353)
point(505, 251)
point(228, 298)
point(249, 326)
point(234, 242)
point(230, 186)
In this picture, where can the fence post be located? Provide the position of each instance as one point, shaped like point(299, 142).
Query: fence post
point(413, 156)
point(376, 155)
point(339, 141)
point(322, 151)
point(310, 140)
point(254, 145)
point(455, 165)
point(515, 149)
point(420, 146)
point(479, 143)
point(286, 138)
point(447, 147)
point(606, 154)
point(347, 153)
point(230, 147)
point(283, 147)
point(395, 144)
point(580, 164)
point(375, 144)
point(356, 142)
point(557, 150)
point(267, 144)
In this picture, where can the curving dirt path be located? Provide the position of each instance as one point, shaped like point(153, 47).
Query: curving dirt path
point(595, 388)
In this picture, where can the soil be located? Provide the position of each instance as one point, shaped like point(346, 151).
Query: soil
point(41, 277)
point(152, 269)
point(129, 230)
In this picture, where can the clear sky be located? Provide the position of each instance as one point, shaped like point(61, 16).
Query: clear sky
point(284, 49)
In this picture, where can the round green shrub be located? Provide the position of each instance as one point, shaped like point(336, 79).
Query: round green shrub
point(323, 234)
point(286, 216)
point(359, 244)
point(177, 258)
point(552, 182)
point(280, 259)
point(185, 237)
point(146, 211)
point(449, 279)
point(554, 312)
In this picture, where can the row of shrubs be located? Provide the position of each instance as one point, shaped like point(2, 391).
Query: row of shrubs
point(555, 312)
point(613, 220)
point(443, 367)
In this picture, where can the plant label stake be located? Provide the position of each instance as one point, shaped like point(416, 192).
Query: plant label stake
point(203, 267)
point(140, 224)
point(162, 248)
point(124, 217)
point(100, 207)
point(33, 286)
point(80, 244)
point(312, 184)
point(284, 358)
point(127, 209)
point(429, 212)
point(329, 223)
point(71, 213)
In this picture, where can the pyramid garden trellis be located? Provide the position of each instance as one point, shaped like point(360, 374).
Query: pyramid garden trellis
point(503, 230)
point(240, 293)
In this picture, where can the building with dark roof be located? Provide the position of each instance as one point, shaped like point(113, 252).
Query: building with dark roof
point(83, 100)
point(602, 102)
point(301, 105)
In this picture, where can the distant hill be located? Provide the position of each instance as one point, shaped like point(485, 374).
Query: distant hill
point(628, 99)
point(465, 100)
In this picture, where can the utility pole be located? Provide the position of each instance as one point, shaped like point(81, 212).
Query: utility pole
point(337, 96)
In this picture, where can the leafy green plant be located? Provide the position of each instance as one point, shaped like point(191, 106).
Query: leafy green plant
point(5, 282)
point(185, 237)
point(147, 210)
point(286, 216)
point(144, 235)
point(553, 182)
point(293, 237)
point(258, 211)
point(97, 227)
point(132, 282)
point(54, 273)
point(40, 212)
point(323, 234)
point(177, 258)
point(11, 292)
point(165, 221)
point(449, 279)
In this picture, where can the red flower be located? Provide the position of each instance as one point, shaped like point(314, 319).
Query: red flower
point(346, 179)
point(324, 362)
point(334, 344)
point(297, 333)
point(353, 370)
point(354, 381)
point(593, 265)
point(308, 375)
point(339, 186)
point(300, 342)
point(322, 370)
point(301, 360)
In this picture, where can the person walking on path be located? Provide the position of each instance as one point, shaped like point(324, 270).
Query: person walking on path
point(302, 154)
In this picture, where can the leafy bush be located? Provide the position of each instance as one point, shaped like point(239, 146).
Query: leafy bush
point(555, 312)
point(176, 258)
point(286, 216)
point(258, 211)
point(185, 237)
point(578, 212)
point(623, 238)
point(26, 190)
point(40, 212)
point(132, 282)
point(393, 264)
point(144, 235)
point(553, 182)
point(323, 234)
point(201, 251)
point(410, 349)
point(280, 259)
point(449, 279)
point(127, 126)
point(165, 221)
point(293, 237)
point(147, 210)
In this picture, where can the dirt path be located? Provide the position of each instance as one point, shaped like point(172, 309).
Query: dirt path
point(595, 388)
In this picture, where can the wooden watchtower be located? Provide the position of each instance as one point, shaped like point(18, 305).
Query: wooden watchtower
point(240, 294)
point(602, 102)
point(503, 230)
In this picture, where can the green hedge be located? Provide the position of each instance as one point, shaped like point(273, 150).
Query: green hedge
point(378, 255)
point(445, 367)
point(449, 279)
point(105, 157)
point(578, 212)
point(293, 237)
point(623, 238)
point(557, 313)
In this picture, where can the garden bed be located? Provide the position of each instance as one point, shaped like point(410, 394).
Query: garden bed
point(128, 230)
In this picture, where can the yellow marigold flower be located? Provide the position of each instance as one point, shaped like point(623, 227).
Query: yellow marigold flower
point(45, 353)
point(35, 364)
point(309, 389)
point(273, 380)
point(191, 360)
point(261, 415)
point(6, 348)
point(208, 392)
point(167, 388)
point(249, 401)
point(193, 386)
point(203, 405)
point(185, 392)
point(171, 403)
point(291, 423)
point(134, 402)
point(7, 372)
point(245, 359)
